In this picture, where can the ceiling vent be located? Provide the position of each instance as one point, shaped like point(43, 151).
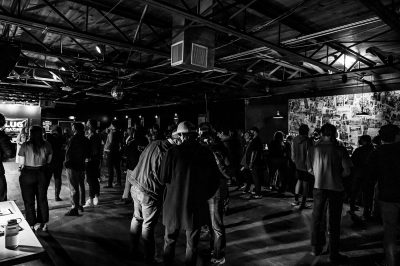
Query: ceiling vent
point(177, 53)
point(193, 48)
point(199, 55)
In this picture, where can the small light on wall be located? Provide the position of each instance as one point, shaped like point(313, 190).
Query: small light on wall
point(278, 115)
point(115, 118)
point(156, 116)
point(71, 117)
point(126, 117)
point(140, 116)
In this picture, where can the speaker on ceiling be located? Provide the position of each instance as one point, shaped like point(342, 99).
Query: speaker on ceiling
point(9, 54)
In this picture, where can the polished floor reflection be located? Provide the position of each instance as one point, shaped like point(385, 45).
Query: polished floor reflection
point(265, 231)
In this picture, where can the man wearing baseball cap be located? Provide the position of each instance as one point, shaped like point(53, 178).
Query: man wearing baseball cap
point(191, 175)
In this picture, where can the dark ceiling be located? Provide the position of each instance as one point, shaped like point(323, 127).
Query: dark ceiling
point(262, 48)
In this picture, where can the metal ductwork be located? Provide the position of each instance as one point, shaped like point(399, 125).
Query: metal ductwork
point(193, 46)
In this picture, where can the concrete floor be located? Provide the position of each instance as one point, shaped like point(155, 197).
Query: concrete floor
point(259, 232)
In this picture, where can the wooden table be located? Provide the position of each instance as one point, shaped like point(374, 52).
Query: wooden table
point(29, 246)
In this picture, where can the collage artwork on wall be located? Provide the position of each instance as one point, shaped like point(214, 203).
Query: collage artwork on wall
point(353, 114)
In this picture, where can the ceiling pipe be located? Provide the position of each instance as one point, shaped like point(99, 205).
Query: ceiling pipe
point(219, 27)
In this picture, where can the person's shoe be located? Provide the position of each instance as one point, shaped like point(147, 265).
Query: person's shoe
point(242, 188)
point(108, 186)
point(295, 203)
point(96, 201)
point(338, 258)
point(256, 196)
point(72, 212)
point(316, 251)
point(58, 198)
point(89, 204)
point(81, 208)
point(44, 227)
point(37, 227)
point(220, 261)
point(305, 206)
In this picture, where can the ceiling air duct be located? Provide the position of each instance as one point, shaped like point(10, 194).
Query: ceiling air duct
point(193, 47)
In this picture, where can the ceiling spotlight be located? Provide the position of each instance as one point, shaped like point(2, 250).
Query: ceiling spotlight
point(176, 115)
point(115, 118)
point(98, 49)
point(156, 116)
point(126, 117)
point(71, 117)
point(140, 116)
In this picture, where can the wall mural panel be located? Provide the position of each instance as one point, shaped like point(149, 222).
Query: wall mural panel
point(344, 111)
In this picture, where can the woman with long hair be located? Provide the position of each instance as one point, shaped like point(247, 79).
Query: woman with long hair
point(36, 154)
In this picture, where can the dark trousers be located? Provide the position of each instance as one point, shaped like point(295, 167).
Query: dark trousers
point(92, 177)
point(390, 218)
point(278, 174)
point(192, 241)
point(3, 188)
point(366, 187)
point(77, 187)
point(114, 162)
point(218, 239)
point(33, 183)
point(331, 201)
point(55, 170)
point(253, 176)
point(145, 217)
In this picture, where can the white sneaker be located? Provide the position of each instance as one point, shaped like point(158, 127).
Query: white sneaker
point(220, 261)
point(96, 201)
point(44, 228)
point(88, 204)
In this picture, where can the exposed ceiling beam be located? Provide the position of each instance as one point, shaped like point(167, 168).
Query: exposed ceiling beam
point(122, 12)
point(299, 24)
point(96, 39)
point(357, 72)
point(388, 16)
point(255, 40)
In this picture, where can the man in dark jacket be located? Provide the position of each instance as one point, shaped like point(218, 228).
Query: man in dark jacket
point(57, 143)
point(384, 164)
point(361, 180)
point(189, 172)
point(93, 164)
point(147, 192)
point(254, 157)
point(77, 151)
point(112, 149)
point(6, 152)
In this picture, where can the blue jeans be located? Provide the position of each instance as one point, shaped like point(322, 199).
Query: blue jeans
point(390, 218)
point(331, 201)
point(33, 185)
point(77, 187)
point(218, 239)
point(145, 217)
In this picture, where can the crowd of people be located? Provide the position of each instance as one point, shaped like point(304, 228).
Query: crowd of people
point(184, 176)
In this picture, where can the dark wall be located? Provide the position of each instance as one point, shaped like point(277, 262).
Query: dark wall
point(260, 113)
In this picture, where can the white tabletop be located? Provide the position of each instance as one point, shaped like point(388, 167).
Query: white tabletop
point(29, 246)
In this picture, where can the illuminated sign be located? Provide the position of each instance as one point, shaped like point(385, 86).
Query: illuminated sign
point(13, 126)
